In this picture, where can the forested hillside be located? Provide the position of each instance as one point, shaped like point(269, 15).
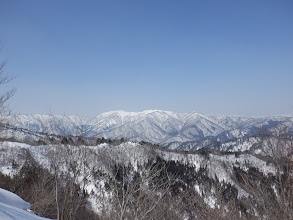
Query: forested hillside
point(126, 180)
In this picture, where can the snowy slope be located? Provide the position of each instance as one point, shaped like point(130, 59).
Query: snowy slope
point(50, 124)
point(137, 155)
point(12, 207)
point(154, 126)
point(94, 168)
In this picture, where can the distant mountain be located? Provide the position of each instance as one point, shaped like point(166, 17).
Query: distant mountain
point(172, 130)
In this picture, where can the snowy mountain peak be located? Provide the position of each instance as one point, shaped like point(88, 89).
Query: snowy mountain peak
point(155, 126)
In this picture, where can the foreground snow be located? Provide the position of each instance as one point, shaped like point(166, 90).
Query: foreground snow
point(12, 207)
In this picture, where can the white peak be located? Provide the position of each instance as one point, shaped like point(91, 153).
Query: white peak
point(119, 113)
point(157, 111)
point(123, 113)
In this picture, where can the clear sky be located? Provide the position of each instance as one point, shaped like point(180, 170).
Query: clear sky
point(87, 57)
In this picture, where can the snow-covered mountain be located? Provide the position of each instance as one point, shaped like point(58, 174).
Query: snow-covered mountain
point(50, 124)
point(96, 171)
point(204, 179)
point(161, 127)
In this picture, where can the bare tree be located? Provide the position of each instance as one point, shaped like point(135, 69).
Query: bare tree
point(142, 194)
point(5, 95)
point(271, 197)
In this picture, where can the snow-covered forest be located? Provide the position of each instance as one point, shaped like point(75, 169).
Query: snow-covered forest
point(127, 180)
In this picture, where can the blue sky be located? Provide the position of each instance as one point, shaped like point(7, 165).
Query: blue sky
point(87, 57)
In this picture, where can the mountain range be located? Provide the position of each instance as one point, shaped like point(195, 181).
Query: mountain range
point(169, 129)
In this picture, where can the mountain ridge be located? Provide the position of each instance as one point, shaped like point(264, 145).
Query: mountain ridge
point(154, 126)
